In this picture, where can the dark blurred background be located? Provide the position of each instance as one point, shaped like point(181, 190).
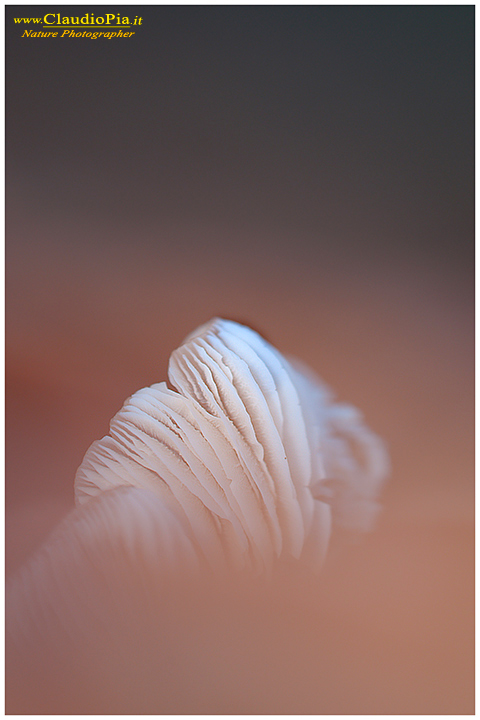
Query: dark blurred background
point(307, 170)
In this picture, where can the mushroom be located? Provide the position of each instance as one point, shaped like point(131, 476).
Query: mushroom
point(241, 464)
point(247, 450)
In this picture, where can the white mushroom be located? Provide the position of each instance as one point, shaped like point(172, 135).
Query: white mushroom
point(243, 462)
point(246, 450)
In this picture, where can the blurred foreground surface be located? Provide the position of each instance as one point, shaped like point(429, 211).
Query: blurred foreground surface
point(388, 627)
point(374, 636)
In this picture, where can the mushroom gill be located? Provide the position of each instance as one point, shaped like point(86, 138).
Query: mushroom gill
point(246, 451)
point(240, 466)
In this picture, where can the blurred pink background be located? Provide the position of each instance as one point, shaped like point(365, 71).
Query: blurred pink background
point(305, 212)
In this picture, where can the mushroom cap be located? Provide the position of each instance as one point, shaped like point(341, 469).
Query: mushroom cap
point(246, 449)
